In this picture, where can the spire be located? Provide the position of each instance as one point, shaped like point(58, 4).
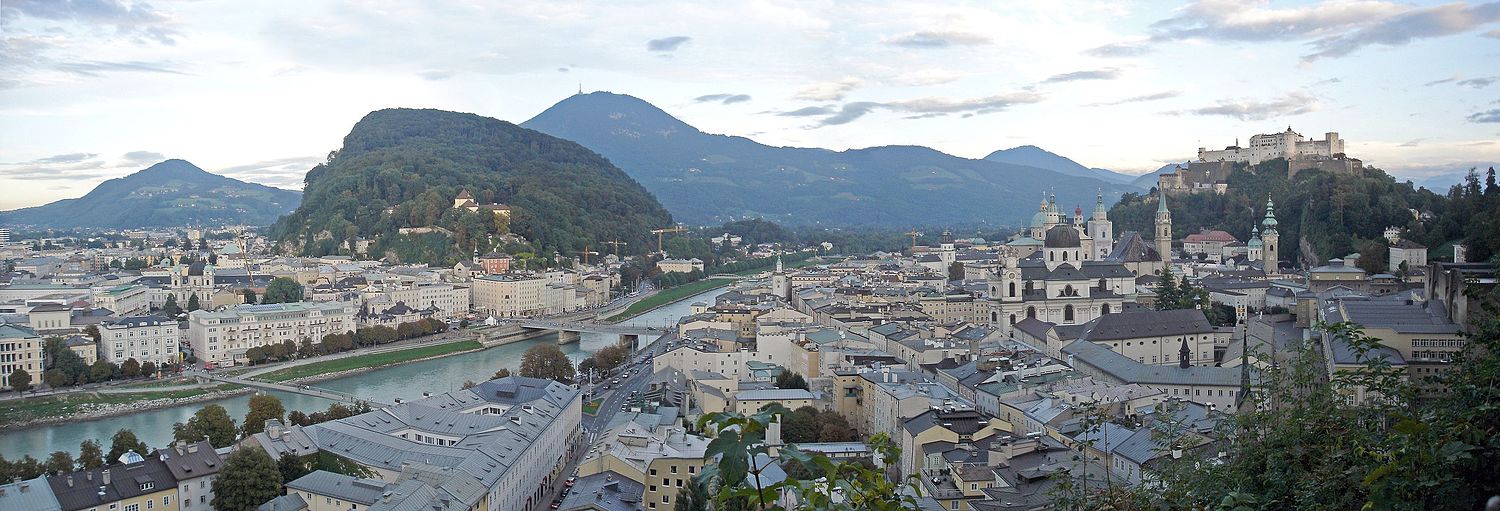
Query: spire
point(1099, 202)
point(1183, 354)
point(778, 263)
point(1161, 203)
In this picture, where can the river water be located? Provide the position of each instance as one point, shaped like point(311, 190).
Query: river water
point(407, 381)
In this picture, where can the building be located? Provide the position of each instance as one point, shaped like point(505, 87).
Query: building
point(1163, 237)
point(124, 299)
point(500, 445)
point(1056, 285)
point(136, 483)
point(1269, 146)
point(650, 451)
point(449, 301)
point(1218, 387)
point(751, 401)
point(194, 466)
point(1412, 254)
point(152, 339)
point(1210, 243)
point(29, 495)
point(466, 201)
point(1425, 339)
point(223, 337)
point(495, 263)
point(680, 265)
point(510, 295)
point(20, 348)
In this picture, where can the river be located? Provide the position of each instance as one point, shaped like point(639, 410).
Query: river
point(407, 381)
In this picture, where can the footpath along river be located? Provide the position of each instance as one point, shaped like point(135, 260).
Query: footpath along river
point(407, 381)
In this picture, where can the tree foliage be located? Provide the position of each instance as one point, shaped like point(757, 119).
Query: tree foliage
point(20, 380)
point(211, 422)
point(124, 440)
point(263, 407)
point(90, 455)
point(249, 478)
point(547, 361)
point(791, 380)
point(282, 290)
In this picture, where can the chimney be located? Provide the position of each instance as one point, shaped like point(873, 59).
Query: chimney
point(192, 448)
point(105, 475)
point(70, 480)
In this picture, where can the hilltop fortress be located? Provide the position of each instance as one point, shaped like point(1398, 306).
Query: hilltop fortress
point(1210, 172)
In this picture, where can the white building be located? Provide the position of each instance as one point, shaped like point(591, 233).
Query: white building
point(152, 339)
point(680, 265)
point(223, 337)
point(1269, 146)
point(510, 295)
point(124, 299)
point(452, 302)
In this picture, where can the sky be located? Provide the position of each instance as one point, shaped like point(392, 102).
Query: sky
point(262, 91)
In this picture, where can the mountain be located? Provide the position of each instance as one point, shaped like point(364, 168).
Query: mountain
point(708, 179)
point(1147, 181)
point(1033, 156)
point(403, 168)
point(168, 194)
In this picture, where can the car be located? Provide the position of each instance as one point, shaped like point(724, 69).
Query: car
point(616, 382)
point(570, 482)
point(556, 503)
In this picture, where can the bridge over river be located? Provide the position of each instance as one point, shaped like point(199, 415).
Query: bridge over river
point(295, 389)
point(568, 330)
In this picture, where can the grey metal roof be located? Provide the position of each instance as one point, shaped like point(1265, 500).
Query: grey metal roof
point(1119, 367)
point(339, 486)
point(1132, 325)
point(607, 491)
point(29, 495)
point(126, 481)
point(191, 461)
point(288, 502)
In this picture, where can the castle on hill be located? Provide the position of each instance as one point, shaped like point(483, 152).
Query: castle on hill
point(1210, 172)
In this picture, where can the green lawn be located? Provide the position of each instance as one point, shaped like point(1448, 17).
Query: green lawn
point(592, 407)
point(670, 295)
point(371, 360)
point(58, 406)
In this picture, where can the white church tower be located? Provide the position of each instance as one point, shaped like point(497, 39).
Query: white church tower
point(1101, 230)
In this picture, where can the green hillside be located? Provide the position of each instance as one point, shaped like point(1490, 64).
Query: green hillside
point(401, 168)
point(1321, 215)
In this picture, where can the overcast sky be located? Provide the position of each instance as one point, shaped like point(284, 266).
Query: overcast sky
point(262, 90)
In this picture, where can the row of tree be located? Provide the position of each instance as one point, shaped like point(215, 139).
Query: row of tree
point(606, 359)
point(67, 368)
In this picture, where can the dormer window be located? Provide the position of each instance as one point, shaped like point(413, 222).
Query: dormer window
point(147, 485)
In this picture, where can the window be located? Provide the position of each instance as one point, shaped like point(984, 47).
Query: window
point(674, 469)
point(692, 469)
point(653, 488)
point(166, 500)
point(1068, 312)
point(133, 507)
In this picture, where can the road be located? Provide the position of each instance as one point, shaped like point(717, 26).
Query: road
point(618, 394)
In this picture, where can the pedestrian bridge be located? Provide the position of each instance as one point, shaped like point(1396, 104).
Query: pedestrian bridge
point(295, 389)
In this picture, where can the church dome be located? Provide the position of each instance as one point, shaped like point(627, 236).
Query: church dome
point(1062, 236)
point(1039, 219)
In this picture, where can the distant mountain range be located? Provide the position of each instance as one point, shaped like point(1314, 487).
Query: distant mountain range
point(707, 179)
point(168, 194)
point(1033, 156)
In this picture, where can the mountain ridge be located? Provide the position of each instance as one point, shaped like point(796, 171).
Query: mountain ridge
point(170, 193)
point(708, 179)
point(1033, 156)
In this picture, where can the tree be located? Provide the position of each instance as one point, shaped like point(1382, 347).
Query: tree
point(956, 271)
point(291, 467)
point(282, 290)
point(248, 295)
point(262, 408)
point(59, 462)
point(694, 497)
point(170, 308)
point(90, 455)
point(547, 361)
point(131, 368)
point(249, 479)
point(504, 372)
point(20, 380)
point(101, 371)
point(790, 380)
point(55, 378)
point(739, 482)
point(193, 303)
point(124, 440)
point(93, 332)
point(148, 369)
point(298, 418)
point(211, 422)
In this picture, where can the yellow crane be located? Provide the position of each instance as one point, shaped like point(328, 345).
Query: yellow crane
point(913, 235)
point(660, 232)
point(616, 244)
point(586, 253)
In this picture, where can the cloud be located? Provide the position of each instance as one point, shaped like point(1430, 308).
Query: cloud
point(137, 20)
point(1412, 143)
point(1485, 116)
point(1450, 79)
point(66, 158)
point(1493, 33)
point(1332, 29)
point(1479, 83)
point(808, 111)
point(938, 39)
point(667, 44)
point(143, 157)
point(1098, 74)
point(934, 106)
point(279, 172)
point(828, 91)
point(436, 75)
point(96, 68)
point(1142, 98)
point(1437, 21)
point(1295, 103)
point(727, 99)
point(1125, 49)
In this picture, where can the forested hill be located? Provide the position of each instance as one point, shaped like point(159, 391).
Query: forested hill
point(172, 193)
point(402, 168)
point(1321, 215)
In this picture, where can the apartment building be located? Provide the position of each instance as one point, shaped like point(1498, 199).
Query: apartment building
point(510, 295)
point(20, 348)
point(223, 337)
point(154, 339)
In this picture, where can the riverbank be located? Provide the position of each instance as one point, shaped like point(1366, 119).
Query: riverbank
point(330, 369)
point(26, 413)
point(669, 296)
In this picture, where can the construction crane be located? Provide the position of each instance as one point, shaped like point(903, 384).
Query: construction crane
point(660, 232)
point(586, 253)
point(914, 235)
point(617, 244)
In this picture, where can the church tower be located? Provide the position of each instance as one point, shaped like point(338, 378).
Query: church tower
point(780, 283)
point(1101, 230)
point(1257, 247)
point(1163, 228)
point(946, 251)
point(1271, 238)
point(1008, 289)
